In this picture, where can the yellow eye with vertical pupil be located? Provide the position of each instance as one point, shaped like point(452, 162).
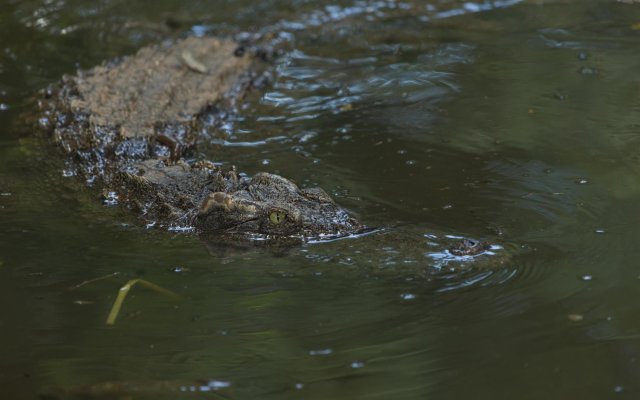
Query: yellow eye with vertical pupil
point(276, 217)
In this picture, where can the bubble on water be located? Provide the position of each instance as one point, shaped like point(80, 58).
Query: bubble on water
point(600, 231)
point(581, 181)
point(320, 352)
point(411, 162)
point(4, 107)
point(299, 386)
point(618, 389)
point(266, 161)
point(357, 364)
point(407, 296)
point(586, 277)
point(575, 317)
point(216, 384)
point(587, 71)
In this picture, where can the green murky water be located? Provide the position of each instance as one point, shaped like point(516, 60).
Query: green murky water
point(517, 122)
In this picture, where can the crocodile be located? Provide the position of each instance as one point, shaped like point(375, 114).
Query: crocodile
point(130, 128)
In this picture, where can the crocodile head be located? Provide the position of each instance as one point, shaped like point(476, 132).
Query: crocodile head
point(271, 206)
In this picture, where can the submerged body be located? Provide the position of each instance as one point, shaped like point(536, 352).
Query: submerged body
point(128, 127)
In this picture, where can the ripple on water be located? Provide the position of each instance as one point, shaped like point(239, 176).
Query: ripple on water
point(467, 279)
point(427, 259)
point(309, 88)
point(532, 186)
point(315, 85)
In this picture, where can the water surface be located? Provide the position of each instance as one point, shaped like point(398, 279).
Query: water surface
point(514, 122)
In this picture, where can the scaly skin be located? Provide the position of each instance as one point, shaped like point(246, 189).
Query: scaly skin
point(127, 126)
point(271, 205)
point(214, 201)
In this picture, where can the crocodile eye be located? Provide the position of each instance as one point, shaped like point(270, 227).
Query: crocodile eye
point(276, 217)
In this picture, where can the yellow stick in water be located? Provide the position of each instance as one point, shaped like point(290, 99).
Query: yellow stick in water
point(124, 290)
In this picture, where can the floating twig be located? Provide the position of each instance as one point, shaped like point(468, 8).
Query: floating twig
point(124, 290)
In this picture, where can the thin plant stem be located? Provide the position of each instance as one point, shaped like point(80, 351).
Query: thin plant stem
point(124, 290)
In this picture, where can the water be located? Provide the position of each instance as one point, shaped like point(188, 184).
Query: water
point(515, 122)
